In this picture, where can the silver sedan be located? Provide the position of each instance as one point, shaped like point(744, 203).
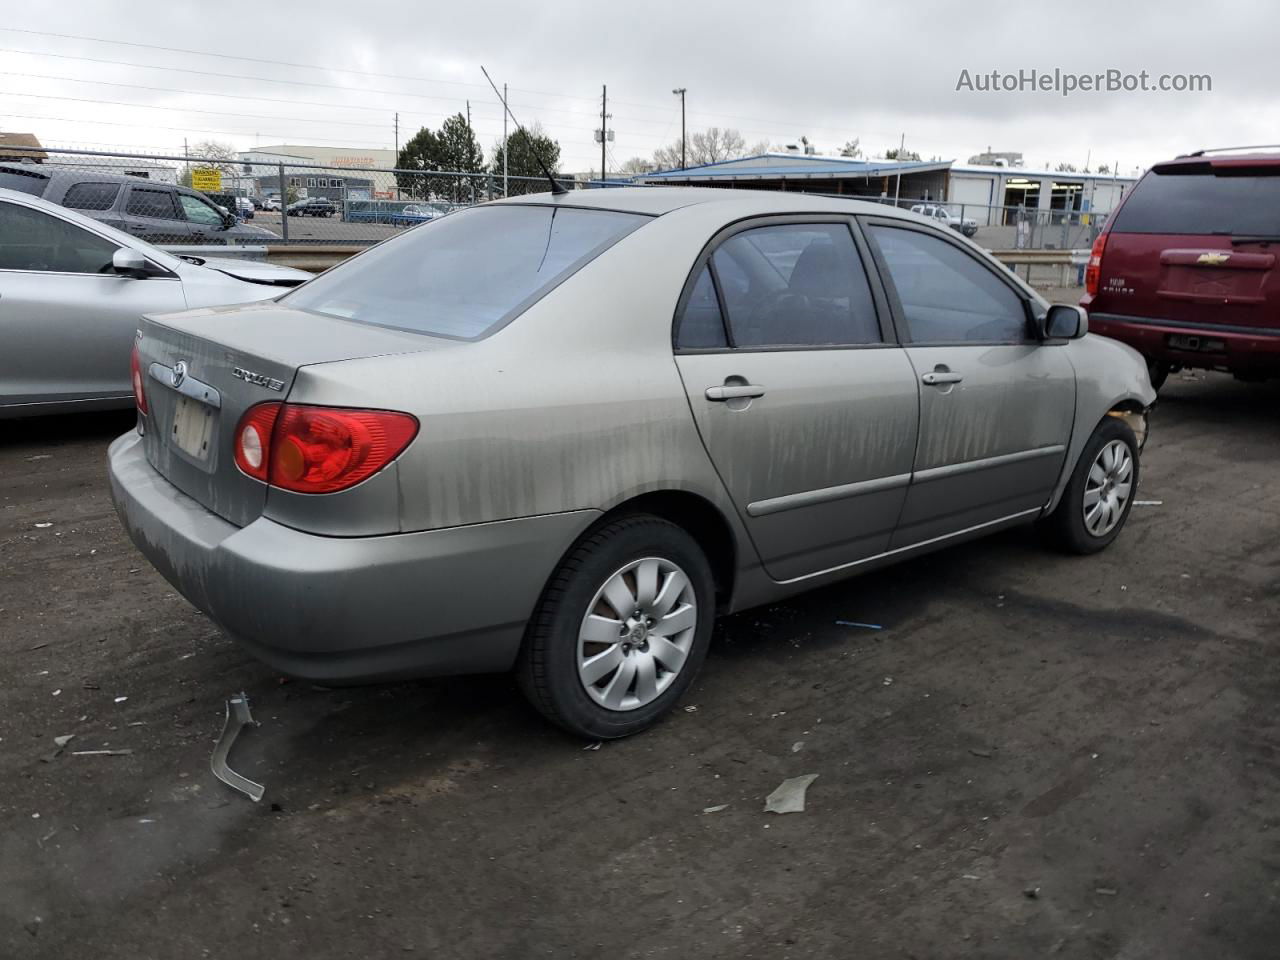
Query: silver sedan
point(561, 434)
point(72, 292)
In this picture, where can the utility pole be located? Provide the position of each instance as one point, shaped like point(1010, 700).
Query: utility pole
point(897, 188)
point(396, 161)
point(680, 92)
point(505, 151)
point(604, 126)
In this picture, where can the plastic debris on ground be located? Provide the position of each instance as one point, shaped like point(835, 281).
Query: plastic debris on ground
point(238, 717)
point(855, 623)
point(716, 809)
point(790, 795)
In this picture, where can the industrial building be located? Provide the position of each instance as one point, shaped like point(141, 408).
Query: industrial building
point(994, 195)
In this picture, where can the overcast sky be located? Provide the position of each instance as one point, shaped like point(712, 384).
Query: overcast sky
point(833, 71)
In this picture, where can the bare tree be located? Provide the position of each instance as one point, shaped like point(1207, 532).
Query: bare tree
point(637, 165)
point(214, 155)
point(713, 145)
point(1065, 168)
point(851, 149)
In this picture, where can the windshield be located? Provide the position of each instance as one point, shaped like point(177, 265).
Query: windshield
point(1202, 203)
point(464, 275)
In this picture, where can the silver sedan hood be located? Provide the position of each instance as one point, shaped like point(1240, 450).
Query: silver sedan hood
point(257, 271)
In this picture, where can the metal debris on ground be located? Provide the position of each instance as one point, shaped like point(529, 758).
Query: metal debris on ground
point(238, 717)
point(789, 796)
point(716, 809)
point(855, 623)
point(1148, 503)
point(102, 753)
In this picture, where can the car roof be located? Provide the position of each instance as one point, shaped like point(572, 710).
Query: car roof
point(1207, 159)
point(656, 201)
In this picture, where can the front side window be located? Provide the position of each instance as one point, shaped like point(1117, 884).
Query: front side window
point(157, 204)
point(199, 211)
point(34, 240)
point(465, 275)
point(796, 285)
point(91, 196)
point(947, 296)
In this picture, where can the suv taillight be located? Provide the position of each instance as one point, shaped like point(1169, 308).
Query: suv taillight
point(135, 377)
point(1094, 270)
point(318, 449)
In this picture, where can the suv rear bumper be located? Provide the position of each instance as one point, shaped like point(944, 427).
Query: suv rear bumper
point(1239, 349)
point(346, 608)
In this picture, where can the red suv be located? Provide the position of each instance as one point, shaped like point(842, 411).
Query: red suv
point(1185, 270)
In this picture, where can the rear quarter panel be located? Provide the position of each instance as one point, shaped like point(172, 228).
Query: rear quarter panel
point(576, 404)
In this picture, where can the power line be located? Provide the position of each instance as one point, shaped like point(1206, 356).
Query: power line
point(231, 133)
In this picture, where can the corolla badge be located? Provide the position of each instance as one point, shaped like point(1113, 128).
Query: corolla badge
point(178, 374)
point(258, 379)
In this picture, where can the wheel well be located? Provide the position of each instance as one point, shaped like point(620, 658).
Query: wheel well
point(703, 522)
point(1132, 413)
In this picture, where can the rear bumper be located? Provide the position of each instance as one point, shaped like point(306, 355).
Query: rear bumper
point(346, 609)
point(1222, 346)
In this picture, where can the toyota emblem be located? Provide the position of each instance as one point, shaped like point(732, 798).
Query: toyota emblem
point(179, 374)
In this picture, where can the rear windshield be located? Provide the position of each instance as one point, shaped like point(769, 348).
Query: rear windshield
point(1235, 204)
point(464, 275)
point(32, 183)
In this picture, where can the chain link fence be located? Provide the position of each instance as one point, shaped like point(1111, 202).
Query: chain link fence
point(1010, 227)
point(170, 200)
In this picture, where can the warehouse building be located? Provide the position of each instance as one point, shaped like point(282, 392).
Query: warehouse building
point(984, 189)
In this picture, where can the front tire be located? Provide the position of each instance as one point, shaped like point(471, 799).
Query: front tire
point(621, 629)
point(1100, 493)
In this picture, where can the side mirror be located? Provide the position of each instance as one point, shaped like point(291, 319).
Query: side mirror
point(129, 263)
point(1065, 321)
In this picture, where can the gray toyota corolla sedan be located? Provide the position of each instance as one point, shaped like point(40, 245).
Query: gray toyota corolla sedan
point(562, 433)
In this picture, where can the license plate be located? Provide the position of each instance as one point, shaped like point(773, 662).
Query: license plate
point(193, 428)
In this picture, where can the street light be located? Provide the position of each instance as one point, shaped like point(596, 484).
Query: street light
point(680, 92)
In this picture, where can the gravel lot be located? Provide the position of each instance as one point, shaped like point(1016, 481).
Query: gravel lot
point(1038, 755)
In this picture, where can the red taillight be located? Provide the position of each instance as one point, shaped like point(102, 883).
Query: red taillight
point(319, 449)
point(253, 439)
point(1094, 270)
point(135, 376)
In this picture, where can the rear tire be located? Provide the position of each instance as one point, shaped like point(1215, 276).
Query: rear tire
point(602, 671)
point(1100, 493)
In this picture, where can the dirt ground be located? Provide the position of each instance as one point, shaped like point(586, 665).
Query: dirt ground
point(1036, 756)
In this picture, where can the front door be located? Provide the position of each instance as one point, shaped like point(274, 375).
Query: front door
point(806, 407)
point(67, 320)
point(996, 404)
point(152, 213)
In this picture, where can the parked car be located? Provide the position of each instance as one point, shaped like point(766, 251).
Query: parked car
point(72, 290)
point(154, 211)
point(271, 203)
point(563, 433)
point(966, 225)
point(312, 207)
point(1185, 270)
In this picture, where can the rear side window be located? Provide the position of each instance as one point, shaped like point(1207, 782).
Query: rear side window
point(464, 275)
point(34, 240)
point(1203, 202)
point(24, 181)
point(796, 285)
point(947, 296)
point(152, 203)
point(91, 196)
point(702, 324)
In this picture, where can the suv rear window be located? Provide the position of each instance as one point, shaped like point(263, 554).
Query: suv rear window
point(464, 275)
point(24, 181)
point(1203, 202)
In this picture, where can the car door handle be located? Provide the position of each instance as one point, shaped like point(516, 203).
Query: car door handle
point(938, 378)
point(734, 391)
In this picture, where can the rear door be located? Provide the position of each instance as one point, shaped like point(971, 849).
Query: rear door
point(153, 214)
point(67, 320)
point(1195, 243)
point(996, 404)
point(804, 402)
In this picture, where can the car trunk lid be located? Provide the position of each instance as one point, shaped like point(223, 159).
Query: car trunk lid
point(203, 369)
